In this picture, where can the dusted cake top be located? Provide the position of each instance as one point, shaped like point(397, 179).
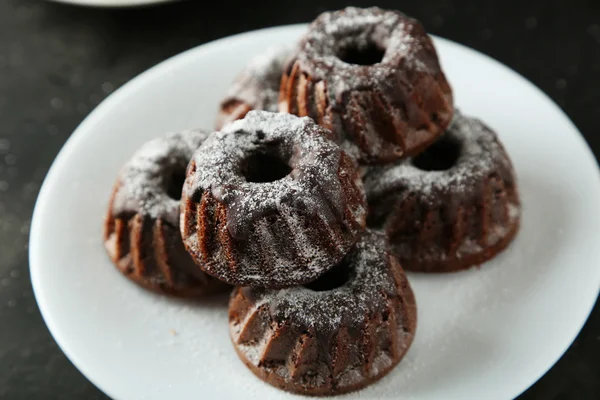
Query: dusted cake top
point(151, 182)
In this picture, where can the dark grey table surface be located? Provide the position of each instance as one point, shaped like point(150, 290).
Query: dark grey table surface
point(58, 62)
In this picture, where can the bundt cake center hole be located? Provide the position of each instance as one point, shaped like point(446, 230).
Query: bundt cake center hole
point(362, 55)
point(174, 184)
point(440, 156)
point(265, 167)
point(334, 278)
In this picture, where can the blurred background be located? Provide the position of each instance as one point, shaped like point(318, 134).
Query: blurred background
point(58, 62)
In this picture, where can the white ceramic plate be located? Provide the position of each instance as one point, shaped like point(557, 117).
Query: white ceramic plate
point(113, 3)
point(485, 333)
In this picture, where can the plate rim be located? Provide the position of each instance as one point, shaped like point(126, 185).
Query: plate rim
point(107, 104)
point(110, 4)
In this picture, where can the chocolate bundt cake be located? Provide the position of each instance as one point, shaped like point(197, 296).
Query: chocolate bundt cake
point(270, 201)
point(256, 87)
point(373, 78)
point(337, 334)
point(453, 206)
point(141, 232)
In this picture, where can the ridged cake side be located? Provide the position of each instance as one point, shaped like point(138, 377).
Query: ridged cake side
point(333, 341)
point(378, 112)
point(141, 230)
point(279, 233)
point(144, 250)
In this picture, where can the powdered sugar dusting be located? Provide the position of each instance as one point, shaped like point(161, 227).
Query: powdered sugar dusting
point(480, 155)
point(370, 283)
point(369, 293)
point(449, 217)
point(311, 190)
point(374, 67)
point(258, 83)
point(356, 28)
point(143, 181)
point(314, 160)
